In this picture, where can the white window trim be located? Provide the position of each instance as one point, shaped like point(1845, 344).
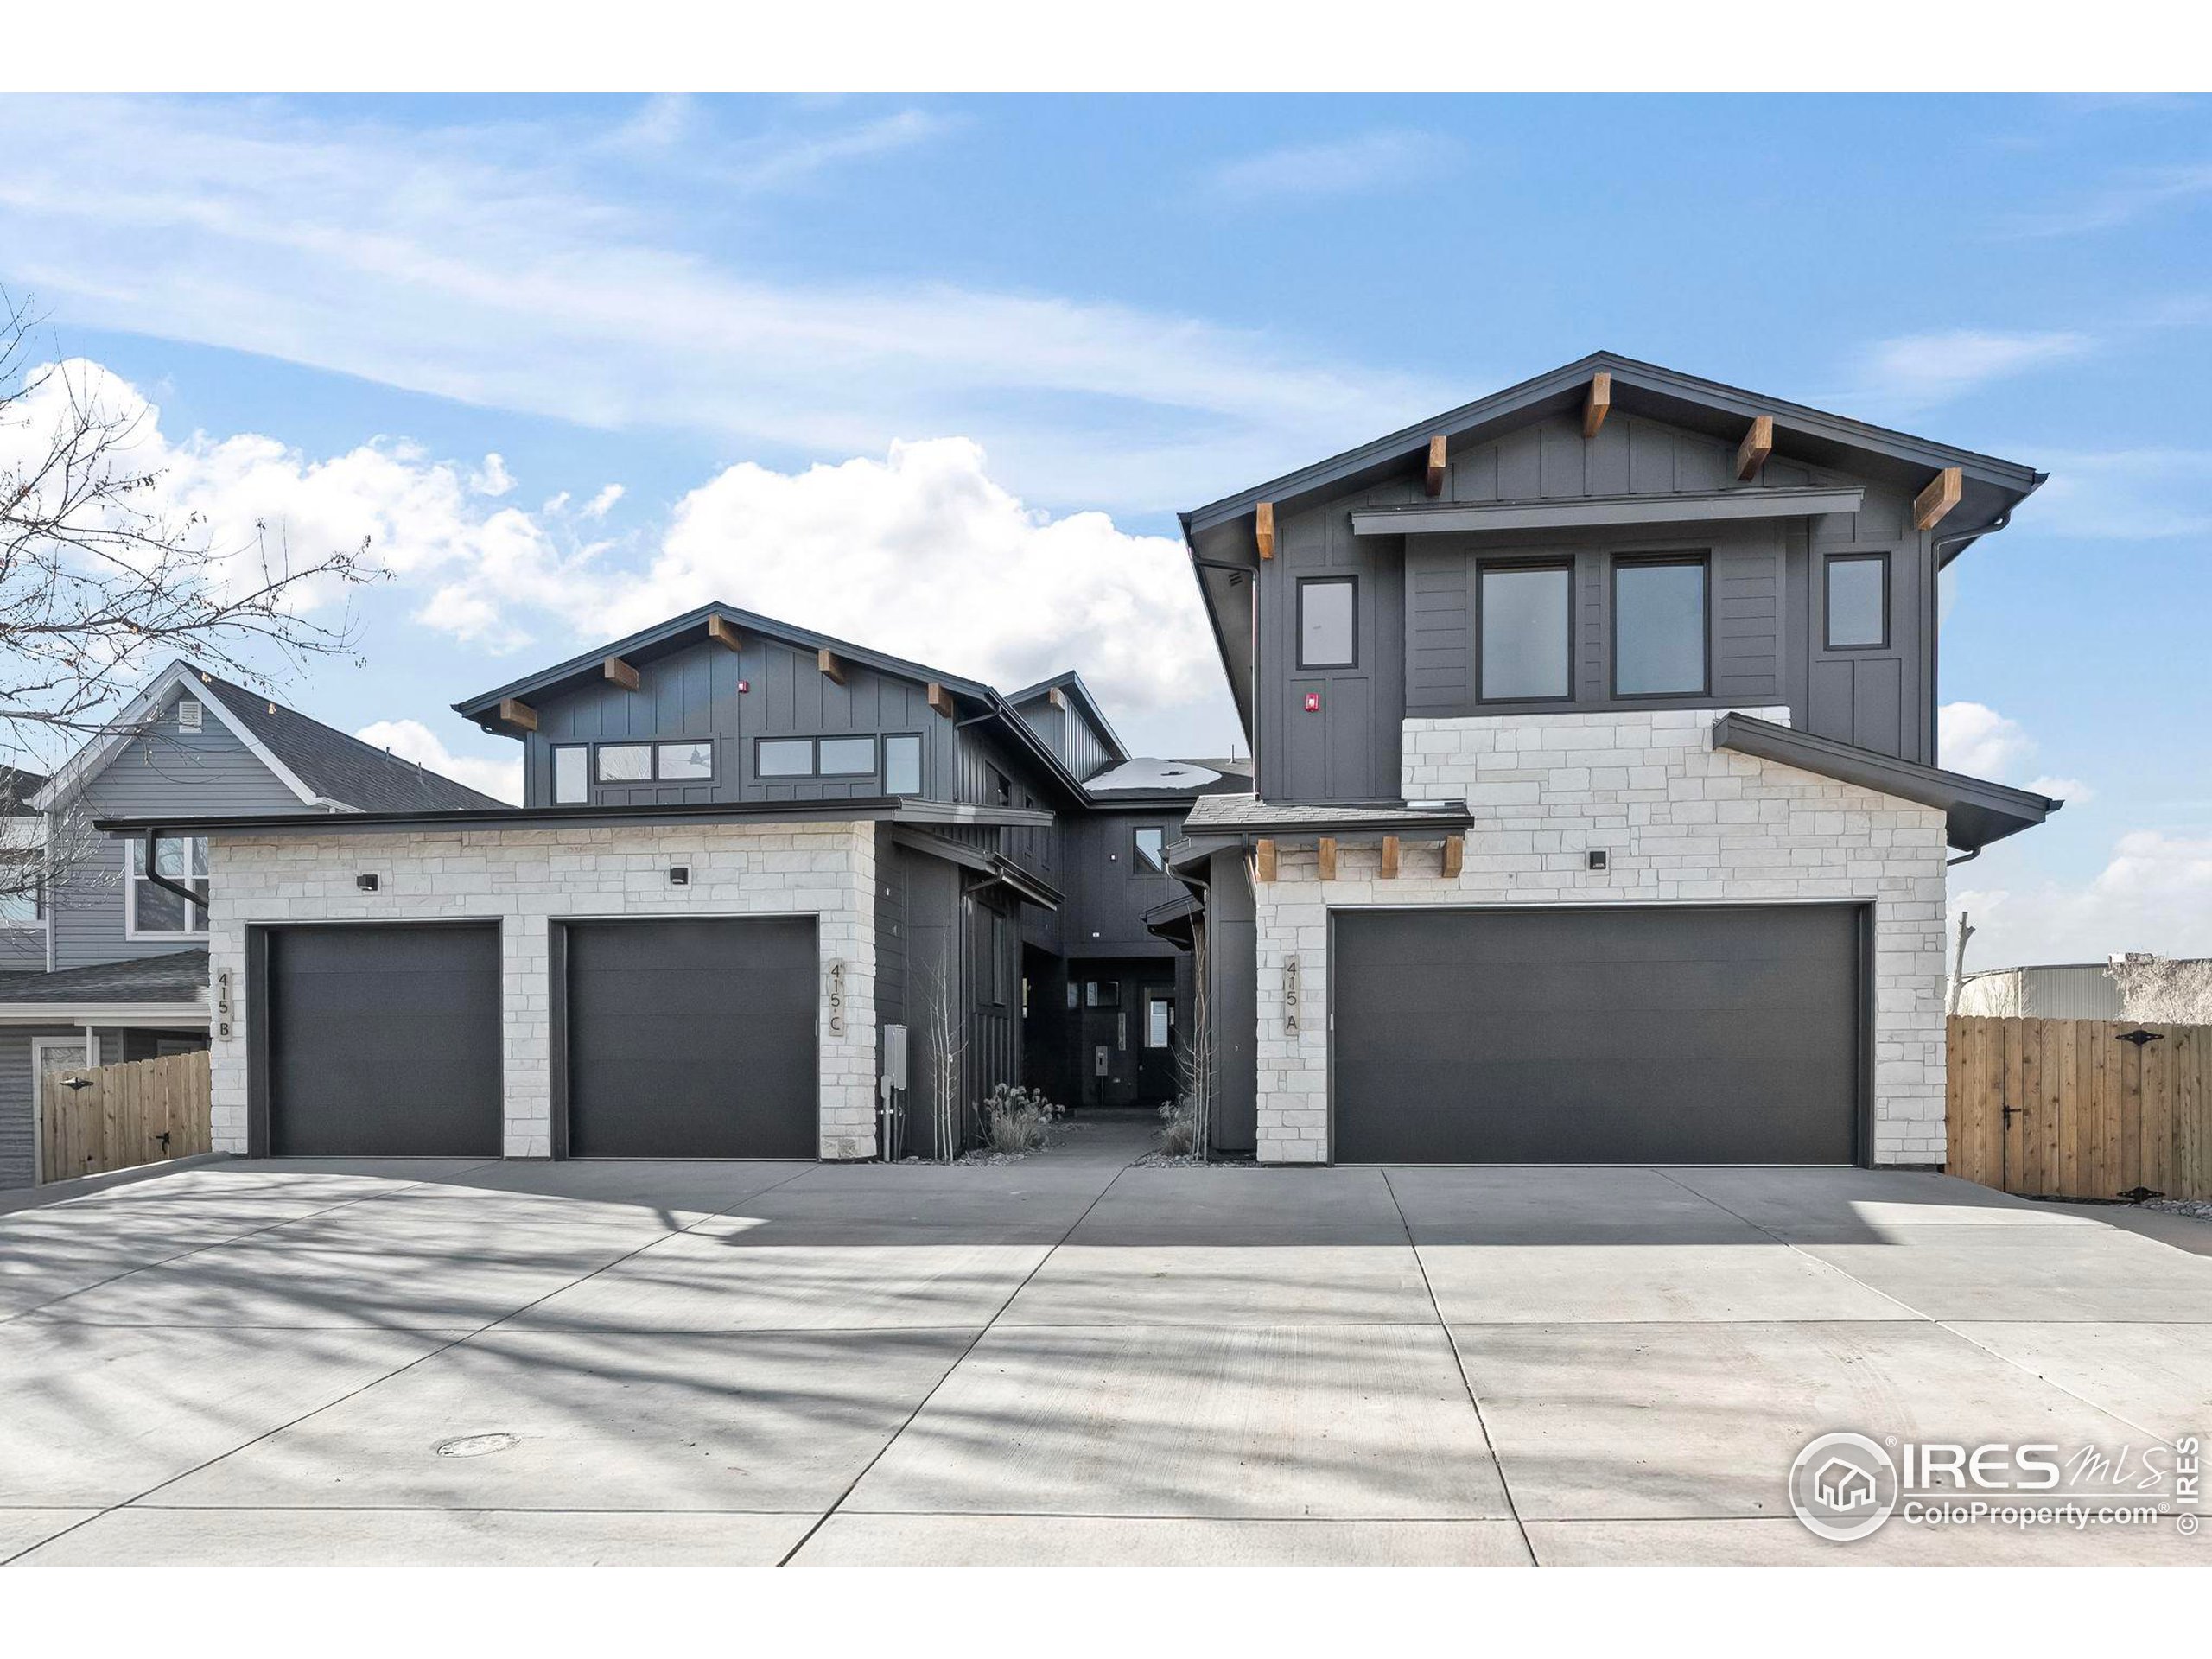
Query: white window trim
point(132, 850)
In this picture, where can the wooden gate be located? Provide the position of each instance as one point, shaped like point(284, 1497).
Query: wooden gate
point(102, 1118)
point(2080, 1109)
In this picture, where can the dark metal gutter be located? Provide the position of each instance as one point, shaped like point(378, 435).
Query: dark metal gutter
point(1976, 811)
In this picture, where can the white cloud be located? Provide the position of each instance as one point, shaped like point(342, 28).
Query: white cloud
point(1919, 370)
point(411, 740)
point(502, 265)
point(921, 554)
point(2123, 198)
point(1369, 161)
point(597, 505)
point(2062, 788)
point(1974, 738)
point(492, 477)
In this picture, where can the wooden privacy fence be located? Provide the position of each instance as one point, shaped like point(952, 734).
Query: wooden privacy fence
point(2080, 1109)
point(101, 1117)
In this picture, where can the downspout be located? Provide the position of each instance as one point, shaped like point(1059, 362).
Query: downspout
point(1963, 858)
point(198, 901)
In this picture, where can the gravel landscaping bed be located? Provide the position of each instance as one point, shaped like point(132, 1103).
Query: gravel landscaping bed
point(2195, 1209)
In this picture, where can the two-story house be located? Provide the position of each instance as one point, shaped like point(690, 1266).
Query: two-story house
point(101, 961)
point(745, 851)
point(1597, 816)
point(1594, 818)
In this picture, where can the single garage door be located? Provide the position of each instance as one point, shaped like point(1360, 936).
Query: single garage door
point(692, 1038)
point(383, 1041)
point(1620, 1035)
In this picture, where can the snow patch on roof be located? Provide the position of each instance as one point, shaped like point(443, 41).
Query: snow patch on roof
point(1145, 772)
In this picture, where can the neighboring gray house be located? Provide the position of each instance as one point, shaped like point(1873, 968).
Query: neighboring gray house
point(105, 964)
point(1592, 817)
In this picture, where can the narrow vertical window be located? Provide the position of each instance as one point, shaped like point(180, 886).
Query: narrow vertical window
point(571, 775)
point(1326, 613)
point(902, 766)
point(1152, 849)
point(1858, 599)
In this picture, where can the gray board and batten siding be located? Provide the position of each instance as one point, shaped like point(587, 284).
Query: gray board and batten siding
point(1416, 623)
point(692, 694)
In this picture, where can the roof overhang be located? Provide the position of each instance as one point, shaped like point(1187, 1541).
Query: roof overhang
point(1243, 818)
point(1173, 921)
point(872, 808)
point(995, 868)
point(1703, 506)
point(102, 1013)
point(1069, 683)
point(1976, 811)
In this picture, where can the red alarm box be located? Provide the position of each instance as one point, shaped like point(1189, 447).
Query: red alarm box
point(1312, 703)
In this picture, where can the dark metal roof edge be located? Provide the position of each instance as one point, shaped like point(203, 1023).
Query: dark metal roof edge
point(870, 808)
point(1072, 679)
point(1909, 780)
point(788, 632)
point(2006, 475)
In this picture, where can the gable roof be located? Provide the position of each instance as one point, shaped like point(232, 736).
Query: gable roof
point(682, 632)
point(323, 766)
point(1069, 683)
point(339, 767)
point(1991, 487)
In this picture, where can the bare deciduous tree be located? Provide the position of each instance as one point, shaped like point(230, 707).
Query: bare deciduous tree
point(2162, 991)
point(102, 577)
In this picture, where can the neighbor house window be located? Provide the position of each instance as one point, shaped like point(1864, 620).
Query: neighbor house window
point(571, 775)
point(1102, 993)
point(1151, 848)
point(626, 763)
point(1659, 628)
point(150, 912)
point(23, 854)
point(1858, 599)
point(902, 766)
point(1325, 615)
point(847, 757)
point(1524, 642)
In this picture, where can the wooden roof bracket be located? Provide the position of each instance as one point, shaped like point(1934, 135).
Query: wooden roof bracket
point(1598, 404)
point(1263, 529)
point(1758, 445)
point(1432, 481)
point(1933, 504)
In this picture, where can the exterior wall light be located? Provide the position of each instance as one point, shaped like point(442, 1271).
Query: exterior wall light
point(679, 875)
point(366, 883)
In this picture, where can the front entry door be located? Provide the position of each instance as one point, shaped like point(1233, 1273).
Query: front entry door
point(1109, 1066)
point(1155, 1037)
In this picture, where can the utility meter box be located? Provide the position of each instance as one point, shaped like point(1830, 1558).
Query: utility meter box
point(894, 1057)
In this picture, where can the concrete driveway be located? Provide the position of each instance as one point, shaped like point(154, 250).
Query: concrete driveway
point(1065, 1359)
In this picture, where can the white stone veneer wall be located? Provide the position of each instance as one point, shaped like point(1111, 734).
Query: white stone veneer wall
point(1680, 822)
point(524, 878)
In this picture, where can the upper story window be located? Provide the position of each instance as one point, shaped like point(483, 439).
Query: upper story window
point(22, 856)
point(1327, 614)
point(902, 765)
point(153, 912)
point(1152, 849)
point(1659, 628)
point(687, 760)
point(1000, 790)
point(571, 774)
point(1857, 602)
point(1525, 644)
point(814, 757)
point(626, 763)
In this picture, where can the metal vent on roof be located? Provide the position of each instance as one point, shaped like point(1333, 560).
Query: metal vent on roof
point(188, 714)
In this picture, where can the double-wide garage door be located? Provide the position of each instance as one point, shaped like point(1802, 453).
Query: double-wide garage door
point(681, 1039)
point(1662, 1035)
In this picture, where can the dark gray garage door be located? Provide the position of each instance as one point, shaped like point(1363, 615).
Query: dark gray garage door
point(1623, 1035)
point(691, 1038)
point(383, 1041)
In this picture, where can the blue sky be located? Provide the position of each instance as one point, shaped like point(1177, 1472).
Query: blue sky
point(840, 355)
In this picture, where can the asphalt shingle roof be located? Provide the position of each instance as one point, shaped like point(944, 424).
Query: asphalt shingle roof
point(341, 767)
point(180, 976)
